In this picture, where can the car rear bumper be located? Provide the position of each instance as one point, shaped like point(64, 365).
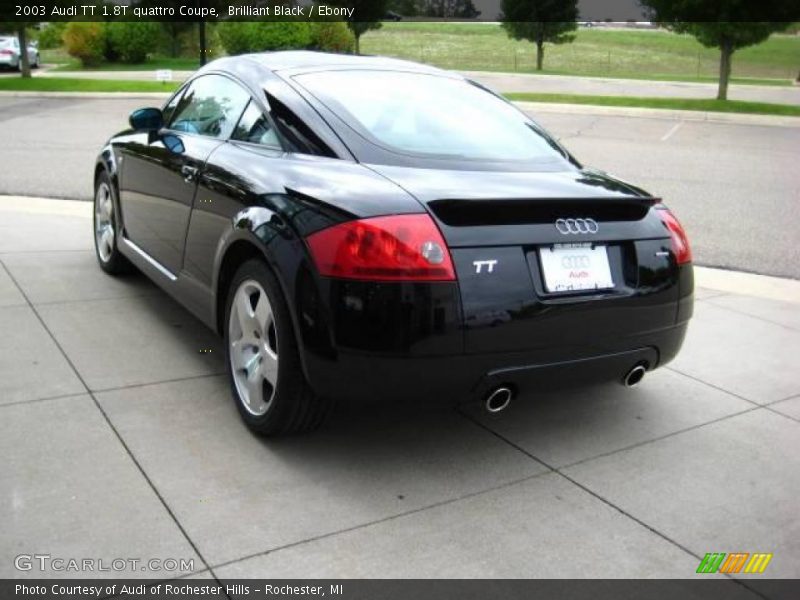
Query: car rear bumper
point(399, 341)
point(458, 378)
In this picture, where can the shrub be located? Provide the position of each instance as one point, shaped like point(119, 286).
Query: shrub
point(281, 36)
point(132, 40)
point(85, 41)
point(240, 37)
point(332, 36)
point(50, 35)
point(190, 42)
point(235, 36)
point(168, 41)
point(110, 53)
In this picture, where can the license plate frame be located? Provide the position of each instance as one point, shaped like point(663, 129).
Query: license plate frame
point(575, 268)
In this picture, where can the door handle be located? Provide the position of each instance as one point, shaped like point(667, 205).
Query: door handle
point(189, 173)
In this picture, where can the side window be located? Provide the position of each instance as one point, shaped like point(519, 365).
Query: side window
point(297, 135)
point(171, 105)
point(255, 127)
point(210, 106)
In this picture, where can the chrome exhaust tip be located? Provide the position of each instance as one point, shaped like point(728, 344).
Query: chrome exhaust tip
point(498, 400)
point(634, 376)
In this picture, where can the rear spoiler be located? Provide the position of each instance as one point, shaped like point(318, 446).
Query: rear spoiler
point(457, 213)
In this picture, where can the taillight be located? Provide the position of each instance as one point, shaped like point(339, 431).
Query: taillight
point(6, 52)
point(680, 243)
point(394, 248)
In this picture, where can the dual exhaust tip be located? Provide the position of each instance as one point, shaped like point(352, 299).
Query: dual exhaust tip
point(634, 376)
point(498, 399)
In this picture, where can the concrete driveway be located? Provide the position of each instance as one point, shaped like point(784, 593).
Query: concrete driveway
point(120, 439)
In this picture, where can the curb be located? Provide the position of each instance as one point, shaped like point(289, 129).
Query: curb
point(660, 113)
point(723, 280)
point(747, 284)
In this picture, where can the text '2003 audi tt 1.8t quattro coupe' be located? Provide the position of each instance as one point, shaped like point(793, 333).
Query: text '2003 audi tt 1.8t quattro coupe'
point(372, 228)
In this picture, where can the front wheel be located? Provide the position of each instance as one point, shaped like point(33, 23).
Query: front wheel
point(106, 228)
point(37, 61)
point(262, 357)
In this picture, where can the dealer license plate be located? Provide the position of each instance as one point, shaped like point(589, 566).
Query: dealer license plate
point(575, 268)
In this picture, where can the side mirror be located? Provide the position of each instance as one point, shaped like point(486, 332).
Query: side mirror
point(146, 119)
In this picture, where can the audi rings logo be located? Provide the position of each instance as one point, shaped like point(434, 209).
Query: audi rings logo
point(575, 226)
point(575, 261)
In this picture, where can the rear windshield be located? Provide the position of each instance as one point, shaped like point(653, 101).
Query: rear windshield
point(429, 115)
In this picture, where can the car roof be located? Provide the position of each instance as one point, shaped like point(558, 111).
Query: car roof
point(286, 64)
point(306, 59)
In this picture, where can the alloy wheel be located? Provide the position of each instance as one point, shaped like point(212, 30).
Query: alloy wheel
point(104, 221)
point(253, 347)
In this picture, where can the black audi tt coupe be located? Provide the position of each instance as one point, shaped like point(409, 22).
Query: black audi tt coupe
point(362, 227)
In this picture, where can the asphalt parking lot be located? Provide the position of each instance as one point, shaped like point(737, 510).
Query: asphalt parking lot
point(120, 440)
point(732, 183)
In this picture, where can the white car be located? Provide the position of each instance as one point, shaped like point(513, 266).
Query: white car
point(10, 54)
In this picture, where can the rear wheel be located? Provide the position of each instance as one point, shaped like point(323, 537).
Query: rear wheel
point(37, 61)
point(263, 362)
point(106, 228)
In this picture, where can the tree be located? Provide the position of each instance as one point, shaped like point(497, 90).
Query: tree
point(540, 21)
point(24, 62)
point(405, 8)
point(724, 24)
point(173, 31)
point(367, 14)
point(20, 29)
point(449, 9)
point(175, 5)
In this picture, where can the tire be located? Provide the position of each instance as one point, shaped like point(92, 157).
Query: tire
point(106, 228)
point(37, 61)
point(262, 358)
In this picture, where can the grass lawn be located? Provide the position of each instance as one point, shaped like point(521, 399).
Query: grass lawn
point(176, 64)
point(730, 106)
point(66, 84)
point(641, 54)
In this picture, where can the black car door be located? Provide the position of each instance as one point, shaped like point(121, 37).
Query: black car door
point(266, 152)
point(160, 170)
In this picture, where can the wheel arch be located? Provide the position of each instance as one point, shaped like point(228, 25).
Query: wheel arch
point(263, 233)
point(236, 254)
point(241, 246)
point(106, 163)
